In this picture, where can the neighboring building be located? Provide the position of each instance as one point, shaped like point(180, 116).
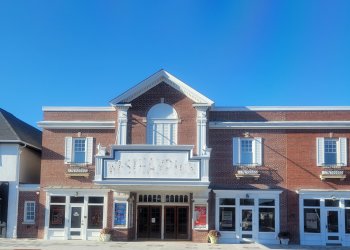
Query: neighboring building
point(163, 163)
point(20, 156)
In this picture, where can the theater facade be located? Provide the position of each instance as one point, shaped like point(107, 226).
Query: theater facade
point(162, 162)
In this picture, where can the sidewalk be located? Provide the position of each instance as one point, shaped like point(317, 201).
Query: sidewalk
point(25, 244)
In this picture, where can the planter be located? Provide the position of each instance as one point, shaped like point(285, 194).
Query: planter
point(105, 237)
point(284, 241)
point(213, 239)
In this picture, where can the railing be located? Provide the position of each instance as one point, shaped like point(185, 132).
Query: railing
point(247, 171)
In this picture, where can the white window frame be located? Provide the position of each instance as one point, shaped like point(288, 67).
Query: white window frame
point(26, 211)
point(69, 150)
point(341, 144)
point(257, 155)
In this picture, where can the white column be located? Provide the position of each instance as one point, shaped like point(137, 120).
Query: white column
point(122, 123)
point(201, 128)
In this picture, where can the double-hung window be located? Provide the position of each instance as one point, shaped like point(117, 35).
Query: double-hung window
point(247, 151)
point(331, 152)
point(78, 150)
point(29, 212)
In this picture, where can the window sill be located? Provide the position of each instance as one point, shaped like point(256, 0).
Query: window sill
point(28, 222)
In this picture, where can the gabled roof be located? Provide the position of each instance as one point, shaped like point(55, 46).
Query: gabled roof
point(155, 79)
point(15, 130)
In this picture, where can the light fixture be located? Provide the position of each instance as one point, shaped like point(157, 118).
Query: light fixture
point(246, 134)
point(330, 134)
point(247, 196)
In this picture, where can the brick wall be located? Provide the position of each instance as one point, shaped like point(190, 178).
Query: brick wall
point(27, 230)
point(182, 104)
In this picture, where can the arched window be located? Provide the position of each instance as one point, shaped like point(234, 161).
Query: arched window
point(162, 122)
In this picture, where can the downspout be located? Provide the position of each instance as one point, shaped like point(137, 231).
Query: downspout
point(14, 233)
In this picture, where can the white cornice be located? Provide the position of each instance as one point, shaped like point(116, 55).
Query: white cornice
point(78, 109)
point(155, 79)
point(77, 124)
point(29, 187)
point(282, 108)
point(281, 125)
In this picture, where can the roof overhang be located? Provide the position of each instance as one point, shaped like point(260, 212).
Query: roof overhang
point(155, 79)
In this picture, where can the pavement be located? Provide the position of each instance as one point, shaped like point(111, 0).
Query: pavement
point(25, 244)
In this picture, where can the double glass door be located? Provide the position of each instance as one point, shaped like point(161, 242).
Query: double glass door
point(176, 222)
point(149, 222)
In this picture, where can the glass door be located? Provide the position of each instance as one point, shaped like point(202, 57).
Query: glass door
point(176, 222)
point(246, 224)
point(149, 222)
point(332, 226)
point(76, 222)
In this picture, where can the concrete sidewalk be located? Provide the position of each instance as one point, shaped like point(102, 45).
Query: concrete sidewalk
point(22, 244)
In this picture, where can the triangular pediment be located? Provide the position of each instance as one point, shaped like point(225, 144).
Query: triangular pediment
point(154, 80)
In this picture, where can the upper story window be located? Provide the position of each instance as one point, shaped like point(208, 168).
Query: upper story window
point(331, 152)
point(29, 212)
point(78, 150)
point(247, 151)
point(162, 122)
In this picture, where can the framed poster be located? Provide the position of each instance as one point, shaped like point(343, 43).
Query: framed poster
point(200, 216)
point(120, 214)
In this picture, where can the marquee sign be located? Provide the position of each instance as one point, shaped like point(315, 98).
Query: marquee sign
point(151, 165)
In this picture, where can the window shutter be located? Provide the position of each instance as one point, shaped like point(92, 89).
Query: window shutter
point(320, 151)
point(343, 151)
point(158, 134)
point(236, 151)
point(258, 151)
point(68, 150)
point(166, 134)
point(89, 149)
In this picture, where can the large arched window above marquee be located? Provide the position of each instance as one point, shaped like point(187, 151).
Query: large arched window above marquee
point(162, 123)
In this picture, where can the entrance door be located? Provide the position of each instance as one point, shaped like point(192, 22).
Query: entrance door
point(246, 224)
point(332, 226)
point(76, 222)
point(176, 223)
point(149, 222)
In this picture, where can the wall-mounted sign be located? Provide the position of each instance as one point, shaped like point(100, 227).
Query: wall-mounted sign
point(200, 216)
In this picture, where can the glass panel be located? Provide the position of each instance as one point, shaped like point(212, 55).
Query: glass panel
point(246, 151)
point(200, 216)
point(311, 220)
point(247, 219)
point(79, 150)
point(95, 217)
point(347, 203)
point(170, 222)
point(311, 203)
point(58, 199)
point(332, 203)
point(75, 217)
point(143, 222)
point(330, 151)
point(332, 222)
point(182, 220)
point(347, 221)
point(57, 215)
point(120, 214)
point(266, 202)
point(96, 200)
point(74, 199)
point(266, 220)
point(227, 219)
point(247, 202)
point(227, 202)
point(155, 227)
point(30, 211)
point(75, 233)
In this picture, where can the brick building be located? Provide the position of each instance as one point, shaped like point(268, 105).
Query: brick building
point(162, 162)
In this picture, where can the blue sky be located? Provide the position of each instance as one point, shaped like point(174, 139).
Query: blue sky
point(237, 53)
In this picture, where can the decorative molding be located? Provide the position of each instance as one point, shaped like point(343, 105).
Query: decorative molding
point(78, 109)
point(282, 108)
point(281, 125)
point(77, 124)
point(29, 187)
point(155, 79)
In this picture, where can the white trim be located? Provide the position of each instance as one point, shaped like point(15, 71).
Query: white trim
point(77, 109)
point(281, 125)
point(20, 142)
point(155, 79)
point(28, 187)
point(77, 124)
point(282, 108)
